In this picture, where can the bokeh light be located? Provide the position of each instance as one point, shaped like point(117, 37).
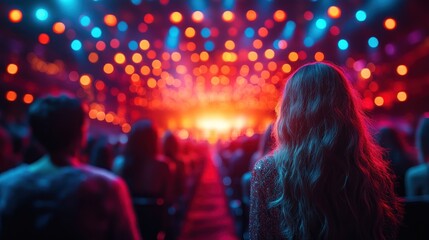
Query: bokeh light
point(402, 70)
point(197, 16)
point(402, 96)
point(228, 16)
point(110, 20)
point(343, 44)
point(251, 15)
point(334, 12)
point(58, 28)
point(279, 16)
point(373, 42)
point(12, 68)
point(76, 45)
point(28, 98)
point(319, 56)
point(379, 101)
point(85, 80)
point(360, 15)
point(15, 15)
point(42, 14)
point(321, 23)
point(11, 96)
point(176, 17)
point(390, 23)
point(44, 38)
point(365, 73)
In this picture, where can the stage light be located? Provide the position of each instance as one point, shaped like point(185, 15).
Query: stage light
point(190, 32)
point(402, 70)
point(108, 68)
point(204, 56)
point(110, 20)
point(126, 128)
point(272, 66)
point(390, 24)
point(12, 69)
point(343, 44)
point(58, 28)
point(401, 96)
point(282, 44)
point(373, 42)
point(228, 16)
point(11, 96)
point(190, 46)
point(205, 32)
point(129, 69)
point(249, 32)
point(44, 38)
point(76, 45)
point(197, 16)
point(209, 46)
point(319, 56)
point(365, 73)
point(119, 58)
point(251, 15)
point(122, 26)
point(379, 101)
point(321, 23)
point(360, 15)
point(334, 12)
point(96, 32)
point(156, 64)
point(279, 16)
point(85, 21)
point(293, 56)
point(145, 70)
point(144, 44)
point(176, 17)
point(15, 16)
point(42, 14)
point(28, 98)
point(289, 29)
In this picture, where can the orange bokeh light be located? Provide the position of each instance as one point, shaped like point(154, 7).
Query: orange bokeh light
point(11, 96)
point(228, 16)
point(402, 70)
point(334, 12)
point(108, 68)
point(15, 16)
point(176, 17)
point(28, 98)
point(251, 15)
point(197, 16)
point(293, 56)
point(379, 101)
point(229, 44)
point(137, 58)
point(110, 20)
point(144, 44)
point(279, 16)
point(190, 32)
point(93, 57)
point(401, 96)
point(58, 28)
point(319, 56)
point(119, 58)
point(390, 24)
point(85, 80)
point(12, 68)
point(269, 54)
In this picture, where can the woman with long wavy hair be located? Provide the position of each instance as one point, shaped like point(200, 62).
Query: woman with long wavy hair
point(327, 178)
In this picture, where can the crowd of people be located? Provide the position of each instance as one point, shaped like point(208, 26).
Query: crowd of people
point(316, 173)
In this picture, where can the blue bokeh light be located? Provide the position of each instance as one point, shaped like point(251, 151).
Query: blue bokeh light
point(321, 23)
point(133, 45)
point(308, 41)
point(85, 21)
point(122, 26)
point(136, 2)
point(289, 29)
point(249, 32)
point(360, 15)
point(76, 45)
point(205, 32)
point(373, 42)
point(174, 31)
point(343, 44)
point(96, 32)
point(42, 14)
point(209, 46)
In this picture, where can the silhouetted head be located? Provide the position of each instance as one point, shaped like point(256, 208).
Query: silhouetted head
point(267, 141)
point(170, 145)
point(142, 140)
point(58, 123)
point(422, 138)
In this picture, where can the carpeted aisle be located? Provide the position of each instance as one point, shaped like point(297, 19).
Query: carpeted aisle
point(208, 217)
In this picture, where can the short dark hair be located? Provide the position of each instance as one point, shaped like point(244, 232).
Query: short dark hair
point(56, 121)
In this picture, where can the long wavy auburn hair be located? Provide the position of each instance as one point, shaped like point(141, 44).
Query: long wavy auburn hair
point(332, 182)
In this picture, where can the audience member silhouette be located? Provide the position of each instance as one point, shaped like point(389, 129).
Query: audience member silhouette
point(396, 152)
point(102, 154)
point(326, 179)
point(148, 178)
point(417, 178)
point(7, 160)
point(57, 197)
